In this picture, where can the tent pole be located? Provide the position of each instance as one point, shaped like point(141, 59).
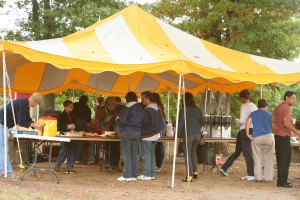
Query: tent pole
point(176, 131)
point(4, 108)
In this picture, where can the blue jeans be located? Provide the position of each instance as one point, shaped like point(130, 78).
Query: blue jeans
point(130, 146)
point(148, 156)
point(2, 152)
point(66, 151)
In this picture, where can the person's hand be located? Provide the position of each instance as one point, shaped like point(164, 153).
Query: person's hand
point(108, 118)
point(250, 137)
point(71, 126)
point(38, 126)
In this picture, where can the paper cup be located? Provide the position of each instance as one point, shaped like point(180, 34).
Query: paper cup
point(293, 121)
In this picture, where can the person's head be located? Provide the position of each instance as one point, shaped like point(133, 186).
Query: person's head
point(131, 96)
point(68, 105)
point(189, 100)
point(83, 99)
point(100, 100)
point(147, 98)
point(290, 98)
point(156, 98)
point(35, 99)
point(262, 103)
point(244, 95)
point(118, 100)
point(110, 103)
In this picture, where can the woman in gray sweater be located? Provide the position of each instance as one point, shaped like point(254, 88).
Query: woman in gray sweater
point(191, 138)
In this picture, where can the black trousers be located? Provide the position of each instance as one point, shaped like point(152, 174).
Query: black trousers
point(283, 157)
point(159, 154)
point(243, 145)
point(112, 150)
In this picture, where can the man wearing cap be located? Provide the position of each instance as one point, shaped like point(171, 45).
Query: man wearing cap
point(19, 109)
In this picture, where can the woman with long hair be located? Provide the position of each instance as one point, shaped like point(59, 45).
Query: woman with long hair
point(189, 127)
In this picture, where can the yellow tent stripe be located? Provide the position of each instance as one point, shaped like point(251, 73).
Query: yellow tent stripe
point(78, 47)
point(29, 77)
point(77, 75)
point(236, 59)
point(151, 36)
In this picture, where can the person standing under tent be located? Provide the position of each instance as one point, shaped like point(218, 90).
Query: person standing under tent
point(130, 123)
point(152, 124)
point(107, 120)
point(243, 143)
point(262, 142)
point(82, 114)
point(283, 128)
point(191, 134)
point(66, 122)
point(22, 118)
point(94, 151)
point(159, 147)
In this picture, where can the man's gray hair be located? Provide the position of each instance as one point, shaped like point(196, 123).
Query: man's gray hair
point(36, 97)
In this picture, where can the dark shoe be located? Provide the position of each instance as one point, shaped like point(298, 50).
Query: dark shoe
point(285, 185)
point(70, 171)
point(188, 179)
point(195, 176)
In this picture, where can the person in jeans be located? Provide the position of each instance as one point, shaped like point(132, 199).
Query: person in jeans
point(159, 147)
point(243, 143)
point(20, 111)
point(262, 142)
point(130, 123)
point(66, 122)
point(283, 129)
point(152, 125)
point(190, 123)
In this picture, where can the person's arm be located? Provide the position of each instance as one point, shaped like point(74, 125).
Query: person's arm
point(287, 123)
point(247, 127)
point(242, 119)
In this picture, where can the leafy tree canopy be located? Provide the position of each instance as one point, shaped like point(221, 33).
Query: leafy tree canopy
point(268, 28)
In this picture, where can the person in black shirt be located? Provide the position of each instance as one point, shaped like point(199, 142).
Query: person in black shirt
point(65, 123)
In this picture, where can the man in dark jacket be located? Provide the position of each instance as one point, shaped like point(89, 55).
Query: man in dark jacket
point(65, 123)
point(130, 122)
point(152, 125)
point(19, 111)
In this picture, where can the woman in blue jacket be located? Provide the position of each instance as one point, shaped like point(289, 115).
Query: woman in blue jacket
point(130, 123)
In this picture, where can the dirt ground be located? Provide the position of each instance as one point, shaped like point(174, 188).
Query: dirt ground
point(90, 183)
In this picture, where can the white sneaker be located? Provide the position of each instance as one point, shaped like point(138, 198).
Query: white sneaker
point(152, 178)
point(248, 178)
point(145, 178)
point(124, 179)
point(133, 179)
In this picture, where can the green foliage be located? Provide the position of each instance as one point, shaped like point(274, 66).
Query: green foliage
point(62, 17)
point(245, 26)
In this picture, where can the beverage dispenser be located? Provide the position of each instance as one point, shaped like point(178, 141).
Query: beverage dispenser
point(215, 123)
point(226, 126)
point(206, 125)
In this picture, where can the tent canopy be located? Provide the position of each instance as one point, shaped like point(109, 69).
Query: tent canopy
point(134, 51)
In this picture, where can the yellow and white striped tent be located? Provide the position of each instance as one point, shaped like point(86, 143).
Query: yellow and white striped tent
point(133, 50)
